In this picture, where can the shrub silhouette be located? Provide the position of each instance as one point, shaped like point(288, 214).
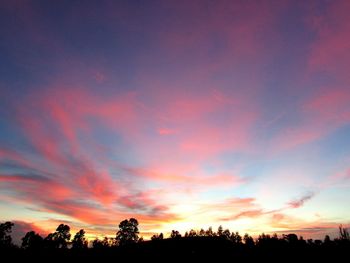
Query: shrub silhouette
point(343, 233)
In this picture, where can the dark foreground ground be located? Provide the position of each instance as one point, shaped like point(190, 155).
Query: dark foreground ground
point(198, 249)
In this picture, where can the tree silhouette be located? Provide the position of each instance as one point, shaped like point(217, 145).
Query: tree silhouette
point(263, 239)
point(327, 240)
point(109, 242)
point(58, 239)
point(226, 234)
point(236, 238)
point(32, 240)
point(220, 230)
point(79, 241)
point(248, 240)
point(209, 232)
point(62, 235)
point(128, 232)
point(49, 241)
point(192, 233)
point(157, 237)
point(175, 234)
point(97, 244)
point(106, 242)
point(292, 239)
point(5, 234)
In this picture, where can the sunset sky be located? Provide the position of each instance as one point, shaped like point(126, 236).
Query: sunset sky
point(182, 114)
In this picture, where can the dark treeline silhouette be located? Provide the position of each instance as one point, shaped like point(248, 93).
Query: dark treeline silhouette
point(194, 245)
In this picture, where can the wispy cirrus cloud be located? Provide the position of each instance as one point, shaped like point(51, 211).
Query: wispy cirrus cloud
point(323, 108)
point(253, 210)
point(323, 113)
point(70, 181)
point(300, 201)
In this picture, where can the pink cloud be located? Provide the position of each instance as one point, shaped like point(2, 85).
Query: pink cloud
point(332, 106)
point(57, 137)
point(321, 115)
point(11, 155)
point(235, 203)
point(337, 179)
point(62, 120)
point(322, 109)
point(300, 202)
point(102, 153)
point(247, 213)
point(232, 22)
point(37, 187)
point(53, 197)
point(248, 208)
point(330, 52)
point(196, 142)
point(239, 207)
point(195, 180)
point(166, 131)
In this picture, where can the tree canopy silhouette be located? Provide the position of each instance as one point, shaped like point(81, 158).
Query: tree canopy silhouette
point(128, 232)
point(79, 240)
point(175, 234)
point(32, 240)
point(60, 238)
point(5, 234)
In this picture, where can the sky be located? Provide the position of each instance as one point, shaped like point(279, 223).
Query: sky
point(182, 114)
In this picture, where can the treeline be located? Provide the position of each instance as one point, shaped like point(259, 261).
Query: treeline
point(127, 233)
point(200, 244)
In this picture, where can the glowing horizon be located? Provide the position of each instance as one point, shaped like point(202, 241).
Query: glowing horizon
point(185, 114)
